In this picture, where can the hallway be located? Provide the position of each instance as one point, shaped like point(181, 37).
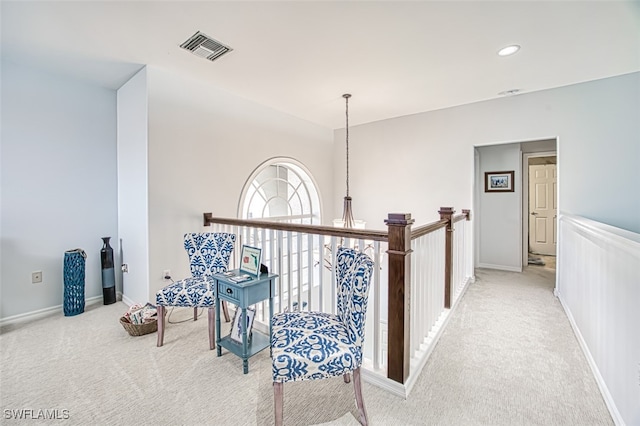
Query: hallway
point(508, 356)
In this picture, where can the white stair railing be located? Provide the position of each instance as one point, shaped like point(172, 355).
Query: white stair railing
point(304, 257)
point(305, 264)
point(427, 289)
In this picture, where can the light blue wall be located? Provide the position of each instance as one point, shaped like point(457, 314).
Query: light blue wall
point(417, 163)
point(599, 150)
point(58, 180)
point(499, 214)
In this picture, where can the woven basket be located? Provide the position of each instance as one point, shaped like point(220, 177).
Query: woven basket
point(139, 329)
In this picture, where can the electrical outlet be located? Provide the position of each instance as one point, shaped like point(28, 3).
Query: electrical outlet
point(166, 273)
point(36, 277)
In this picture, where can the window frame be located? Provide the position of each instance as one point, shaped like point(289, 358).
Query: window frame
point(306, 181)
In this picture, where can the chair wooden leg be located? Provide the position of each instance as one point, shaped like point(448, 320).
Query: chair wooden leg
point(212, 330)
point(278, 398)
point(160, 310)
point(347, 377)
point(357, 387)
point(226, 311)
point(195, 314)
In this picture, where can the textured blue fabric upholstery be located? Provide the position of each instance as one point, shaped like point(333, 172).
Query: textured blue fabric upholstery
point(209, 253)
point(316, 345)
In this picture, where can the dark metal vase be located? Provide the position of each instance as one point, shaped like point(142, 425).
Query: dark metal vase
point(108, 273)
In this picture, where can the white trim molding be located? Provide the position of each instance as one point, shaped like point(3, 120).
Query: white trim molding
point(599, 289)
point(500, 267)
point(40, 313)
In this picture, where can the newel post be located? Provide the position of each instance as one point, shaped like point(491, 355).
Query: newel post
point(206, 218)
point(398, 349)
point(447, 214)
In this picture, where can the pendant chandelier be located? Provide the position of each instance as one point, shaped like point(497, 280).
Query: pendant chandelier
point(347, 220)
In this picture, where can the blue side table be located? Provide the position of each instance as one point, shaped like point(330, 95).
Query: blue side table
point(243, 295)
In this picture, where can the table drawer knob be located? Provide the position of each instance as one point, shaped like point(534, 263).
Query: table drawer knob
point(229, 291)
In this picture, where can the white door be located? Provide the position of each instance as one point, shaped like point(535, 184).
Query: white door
point(542, 209)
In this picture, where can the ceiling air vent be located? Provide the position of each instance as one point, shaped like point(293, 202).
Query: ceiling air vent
point(204, 46)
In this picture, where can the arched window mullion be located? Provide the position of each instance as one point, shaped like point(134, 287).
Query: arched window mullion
point(295, 190)
point(266, 206)
point(280, 184)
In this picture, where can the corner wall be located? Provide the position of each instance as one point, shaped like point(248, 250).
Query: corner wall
point(499, 226)
point(133, 184)
point(58, 162)
point(203, 145)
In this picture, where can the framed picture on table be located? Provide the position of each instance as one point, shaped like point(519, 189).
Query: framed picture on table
point(498, 181)
point(250, 258)
point(236, 324)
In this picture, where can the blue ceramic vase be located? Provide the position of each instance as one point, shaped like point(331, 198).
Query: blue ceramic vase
point(74, 266)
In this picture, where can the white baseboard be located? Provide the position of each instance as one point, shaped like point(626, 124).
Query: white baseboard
point(127, 301)
point(463, 289)
point(426, 350)
point(417, 362)
point(384, 383)
point(500, 267)
point(608, 399)
point(40, 313)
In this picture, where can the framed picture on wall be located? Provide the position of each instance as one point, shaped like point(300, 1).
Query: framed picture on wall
point(498, 181)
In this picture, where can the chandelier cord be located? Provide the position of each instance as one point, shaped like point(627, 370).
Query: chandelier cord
point(347, 214)
point(346, 97)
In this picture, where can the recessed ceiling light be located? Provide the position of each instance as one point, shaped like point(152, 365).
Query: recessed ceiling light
point(509, 50)
point(509, 92)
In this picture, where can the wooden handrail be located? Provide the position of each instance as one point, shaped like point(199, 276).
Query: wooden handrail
point(329, 230)
point(428, 228)
point(466, 215)
point(359, 234)
point(434, 226)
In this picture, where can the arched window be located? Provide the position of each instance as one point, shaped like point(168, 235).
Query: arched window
point(281, 190)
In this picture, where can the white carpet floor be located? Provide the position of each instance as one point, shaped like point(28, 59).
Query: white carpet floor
point(507, 357)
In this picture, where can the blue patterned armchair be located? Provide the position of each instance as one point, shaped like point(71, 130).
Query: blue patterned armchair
point(318, 345)
point(209, 253)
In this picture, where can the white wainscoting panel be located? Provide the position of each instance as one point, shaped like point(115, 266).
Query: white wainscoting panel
point(599, 288)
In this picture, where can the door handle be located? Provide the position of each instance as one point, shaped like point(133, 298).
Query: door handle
point(534, 214)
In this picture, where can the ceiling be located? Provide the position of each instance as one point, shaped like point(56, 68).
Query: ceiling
point(396, 58)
